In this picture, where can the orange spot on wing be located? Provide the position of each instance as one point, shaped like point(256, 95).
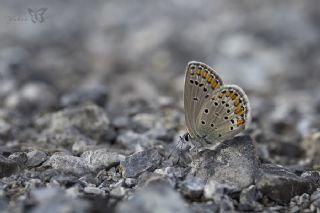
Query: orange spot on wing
point(240, 122)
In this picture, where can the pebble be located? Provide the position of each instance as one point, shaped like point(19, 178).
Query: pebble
point(280, 184)
point(56, 200)
point(192, 187)
point(248, 199)
point(101, 159)
point(140, 162)
point(130, 182)
point(7, 166)
point(36, 158)
point(154, 198)
point(97, 95)
point(69, 164)
point(118, 192)
point(94, 190)
point(89, 120)
point(19, 157)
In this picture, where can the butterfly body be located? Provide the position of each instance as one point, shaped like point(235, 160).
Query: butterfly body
point(213, 111)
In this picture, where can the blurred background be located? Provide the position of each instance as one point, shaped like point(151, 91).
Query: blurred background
point(139, 49)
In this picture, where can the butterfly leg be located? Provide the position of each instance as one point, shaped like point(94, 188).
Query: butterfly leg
point(180, 150)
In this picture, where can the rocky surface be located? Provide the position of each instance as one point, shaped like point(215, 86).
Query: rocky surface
point(91, 106)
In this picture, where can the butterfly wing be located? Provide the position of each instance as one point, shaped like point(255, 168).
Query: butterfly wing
point(33, 15)
point(223, 115)
point(40, 14)
point(201, 82)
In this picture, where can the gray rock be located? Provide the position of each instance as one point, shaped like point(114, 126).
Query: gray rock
point(155, 198)
point(280, 184)
point(192, 187)
point(299, 203)
point(315, 199)
point(204, 208)
point(140, 162)
point(65, 137)
point(19, 157)
point(233, 161)
point(130, 182)
point(94, 190)
point(215, 190)
point(90, 120)
point(248, 199)
point(31, 97)
point(69, 164)
point(36, 158)
point(134, 141)
point(118, 192)
point(7, 166)
point(97, 95)
point(101, 158)
point(54, 200)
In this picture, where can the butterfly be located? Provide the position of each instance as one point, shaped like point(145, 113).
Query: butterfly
point(37, 15)
point(213, 111)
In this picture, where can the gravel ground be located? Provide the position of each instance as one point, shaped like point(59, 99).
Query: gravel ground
point(91, 106)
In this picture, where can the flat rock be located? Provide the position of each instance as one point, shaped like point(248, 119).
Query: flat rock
point(7, 166)
point(36, 157)
point(155, 198)
point(280, 184)
point(233, 161)
point(101, 158)
point(140, 162)
point(69, 164)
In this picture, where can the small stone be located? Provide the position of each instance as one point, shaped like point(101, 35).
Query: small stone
point(7, 166)
point(97, 95)
point(140, 162)
point(36, 158)
point(233, 161)
point(280, 184)
point(192, 187)
point(311, 145)
point(89, 120)
point(19, 157)
point(130, 182)
point(154, 198)
point(31, 97)
point(57, 200)
point(101, 159)
point(204, 208)
point(248, 199)
point(215, 190)
point(118, 192)
point(69, 164)
point(134, 141)
point(145, 120)
point(94, 190)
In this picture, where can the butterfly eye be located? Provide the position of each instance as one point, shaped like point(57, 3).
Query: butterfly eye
point(203, 122)
point(191, 81)
point(206, 111)
point(192, 67)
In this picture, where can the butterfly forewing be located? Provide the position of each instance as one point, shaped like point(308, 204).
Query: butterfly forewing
point(201, 83)
point(223, 115)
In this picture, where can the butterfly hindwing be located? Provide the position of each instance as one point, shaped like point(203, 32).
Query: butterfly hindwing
point(223, 115)
point(201, 83)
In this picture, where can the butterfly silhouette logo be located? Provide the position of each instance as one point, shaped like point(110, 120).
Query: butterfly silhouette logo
point(37, 15)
